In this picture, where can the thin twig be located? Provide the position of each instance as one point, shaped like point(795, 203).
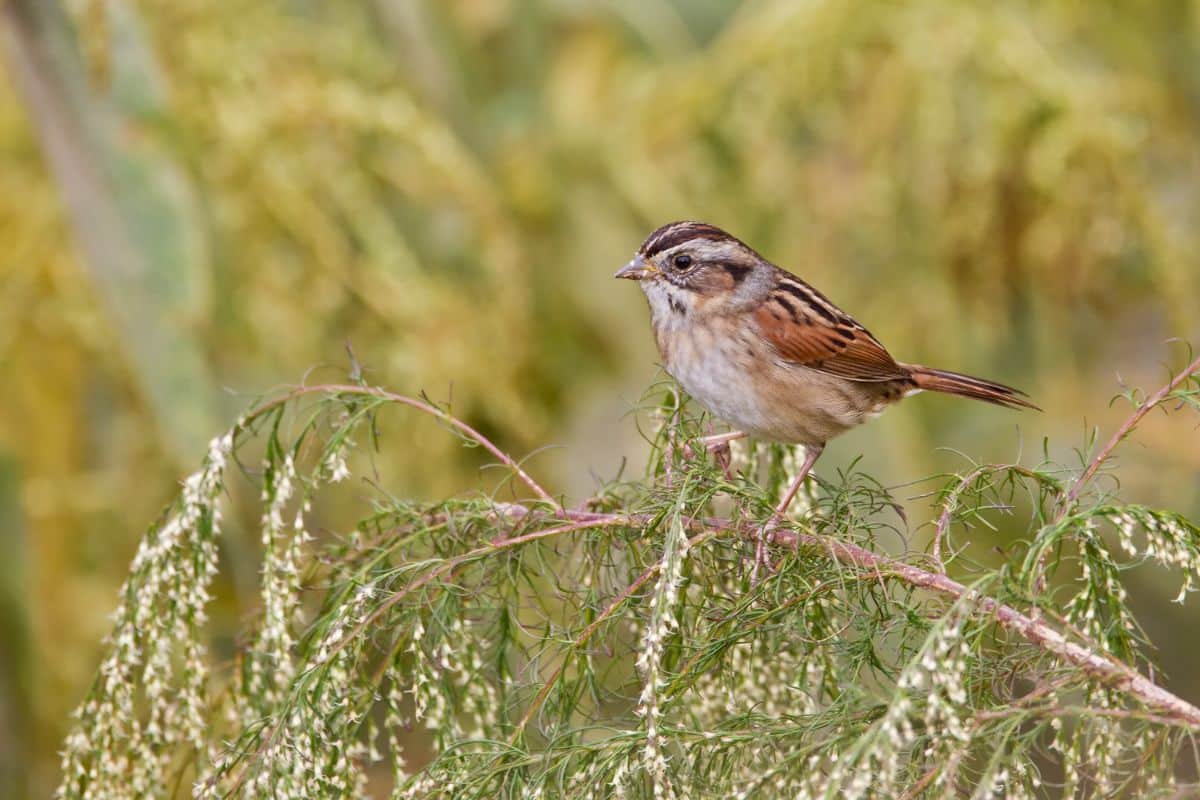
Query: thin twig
point(915, 790)
point(411, 402)
point(950, 504)
point(1080, 711)
point(1068, 502)
point(1141, 411)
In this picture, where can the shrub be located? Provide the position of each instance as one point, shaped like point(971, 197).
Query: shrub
point(620, 648)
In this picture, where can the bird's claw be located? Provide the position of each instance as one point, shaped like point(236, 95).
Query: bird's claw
point(718, 446)
point(762, 558)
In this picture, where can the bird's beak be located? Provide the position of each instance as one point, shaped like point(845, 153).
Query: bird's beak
point(636, 270)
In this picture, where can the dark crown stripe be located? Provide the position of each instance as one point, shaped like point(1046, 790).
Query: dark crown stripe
point(676, 233)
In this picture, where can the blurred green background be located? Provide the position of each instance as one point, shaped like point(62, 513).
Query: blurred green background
point(202, 200)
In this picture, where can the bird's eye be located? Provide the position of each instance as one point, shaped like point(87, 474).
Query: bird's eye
point(682, 262)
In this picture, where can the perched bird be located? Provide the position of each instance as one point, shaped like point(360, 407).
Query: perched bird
point(766, 352)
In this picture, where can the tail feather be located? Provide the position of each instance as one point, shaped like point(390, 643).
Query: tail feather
point(937, 380)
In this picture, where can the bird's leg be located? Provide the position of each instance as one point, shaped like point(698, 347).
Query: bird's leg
point(811, 453)
point(765, 534)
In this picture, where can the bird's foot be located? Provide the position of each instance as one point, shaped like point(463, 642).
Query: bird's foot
point(762, 556)
point(718, 446)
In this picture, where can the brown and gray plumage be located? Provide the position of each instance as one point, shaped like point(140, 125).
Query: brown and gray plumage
point(768, 353)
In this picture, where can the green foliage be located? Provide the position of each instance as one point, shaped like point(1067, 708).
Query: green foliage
point(620, 649)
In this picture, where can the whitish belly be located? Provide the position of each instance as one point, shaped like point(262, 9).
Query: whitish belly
point(722, 386)
point(742, 383)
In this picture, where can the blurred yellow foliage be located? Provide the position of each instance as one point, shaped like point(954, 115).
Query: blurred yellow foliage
point(1006, 188)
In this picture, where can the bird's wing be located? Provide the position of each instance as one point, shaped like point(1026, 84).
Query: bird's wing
point(806, 329)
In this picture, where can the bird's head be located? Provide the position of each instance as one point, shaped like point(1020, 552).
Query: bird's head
point(692, 266)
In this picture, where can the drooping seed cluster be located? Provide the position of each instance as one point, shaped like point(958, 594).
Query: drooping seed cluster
point(1099, 607)
point(1097, 758)
point(457, 662)
point(759, 680)
point(932, 690)
point(662, 623)
point(396, 719)
point(270, 663)
point(454, 696)
point(334, 466)
point(311, 747)
point(155, 645)
point(1170, 539)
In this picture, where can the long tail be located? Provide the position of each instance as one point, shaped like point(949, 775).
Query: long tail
point(937, 380)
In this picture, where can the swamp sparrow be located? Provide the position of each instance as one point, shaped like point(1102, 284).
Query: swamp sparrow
point(766, 352)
